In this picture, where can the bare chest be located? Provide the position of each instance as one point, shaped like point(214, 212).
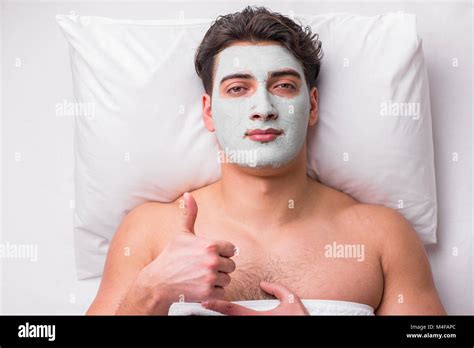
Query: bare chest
point(311, 267)
point(308, 277)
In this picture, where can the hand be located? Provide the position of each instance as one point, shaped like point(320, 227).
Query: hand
point(290, 304)
point(190, 268)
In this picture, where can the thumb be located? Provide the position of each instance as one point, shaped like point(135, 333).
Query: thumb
point(280, 292)
point(290, 304)
point(188, 217)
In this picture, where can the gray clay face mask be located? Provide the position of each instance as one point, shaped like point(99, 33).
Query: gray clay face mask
point(241, 120)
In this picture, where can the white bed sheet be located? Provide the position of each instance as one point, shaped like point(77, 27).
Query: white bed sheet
point(38, 193)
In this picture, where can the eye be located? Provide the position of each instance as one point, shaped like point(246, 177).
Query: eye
point(286, 85)
point(236, 90)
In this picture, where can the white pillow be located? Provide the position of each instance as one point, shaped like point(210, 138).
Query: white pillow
point(144, 140)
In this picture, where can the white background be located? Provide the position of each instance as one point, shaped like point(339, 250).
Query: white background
point(36, 193)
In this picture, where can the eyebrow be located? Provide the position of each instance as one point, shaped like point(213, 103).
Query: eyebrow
point(237, 76)
point(273, 74)
point(285, 72)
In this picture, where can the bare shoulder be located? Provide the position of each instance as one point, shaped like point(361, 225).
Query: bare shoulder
point(136, 242)
point(388, 226)
point(383, 226)
point(400, 249)
point(388, 230)
point(141, 235)
point(408, 282)
point(154, 223)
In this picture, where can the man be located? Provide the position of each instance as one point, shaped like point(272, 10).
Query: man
point(265, 229)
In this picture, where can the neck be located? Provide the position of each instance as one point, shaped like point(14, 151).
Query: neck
point(262, 198)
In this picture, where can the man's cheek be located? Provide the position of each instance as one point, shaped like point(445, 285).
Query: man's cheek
point(228, 123)
point(230, 114)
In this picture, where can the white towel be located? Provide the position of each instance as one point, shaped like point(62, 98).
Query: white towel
point(314, 307)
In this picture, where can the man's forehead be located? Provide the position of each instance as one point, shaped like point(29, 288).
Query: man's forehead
point(256, 58)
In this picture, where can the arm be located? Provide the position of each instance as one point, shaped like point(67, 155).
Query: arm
point(409, 288)
point(153, 261)
point(130, 251)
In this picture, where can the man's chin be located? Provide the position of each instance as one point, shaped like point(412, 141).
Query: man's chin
point(266, 167)
point(264, 158)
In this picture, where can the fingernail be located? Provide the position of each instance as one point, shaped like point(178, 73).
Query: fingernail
point(205, 304)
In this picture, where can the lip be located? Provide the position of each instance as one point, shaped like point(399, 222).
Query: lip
point(263, 135)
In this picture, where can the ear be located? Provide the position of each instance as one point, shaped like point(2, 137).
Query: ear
point(314, 110)
point(206, 113)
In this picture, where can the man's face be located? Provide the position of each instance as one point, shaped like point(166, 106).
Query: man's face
point(260, 104)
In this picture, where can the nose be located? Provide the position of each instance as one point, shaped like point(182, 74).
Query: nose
point(263, 108)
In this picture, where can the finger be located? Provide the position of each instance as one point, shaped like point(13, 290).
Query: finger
point(226, 265)
point(218, 293)
point(280, 292)
point(228, 308)
point(225, 248)
point(223, 279)
point(188, 217)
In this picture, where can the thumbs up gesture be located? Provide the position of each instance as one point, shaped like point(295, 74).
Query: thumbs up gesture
point(188, 217)
point(191, 268)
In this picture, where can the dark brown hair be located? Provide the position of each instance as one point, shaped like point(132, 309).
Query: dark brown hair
point(256, 24)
